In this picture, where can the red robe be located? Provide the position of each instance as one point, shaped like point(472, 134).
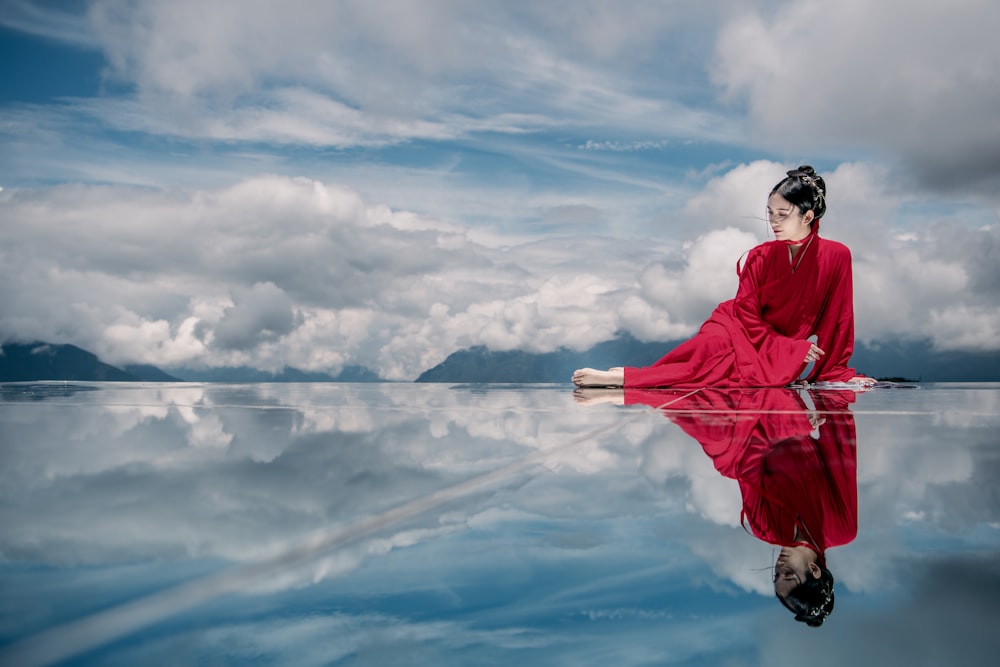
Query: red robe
point(758, 339)
point(788, 479)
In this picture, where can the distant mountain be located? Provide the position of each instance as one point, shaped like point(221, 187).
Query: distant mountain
point(20, 362)
point(918, 360)
point(357, 374)
point(147, 373)
point(478, 364)
point(914, 360)
point(25, 362)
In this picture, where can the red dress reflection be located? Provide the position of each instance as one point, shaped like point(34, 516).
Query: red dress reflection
point(797, 489)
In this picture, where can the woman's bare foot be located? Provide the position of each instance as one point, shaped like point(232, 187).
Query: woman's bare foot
point(595, 395)
point(589, 377)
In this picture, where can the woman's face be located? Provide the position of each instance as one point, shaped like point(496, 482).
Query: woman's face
point(786, 221)
point(793, 566)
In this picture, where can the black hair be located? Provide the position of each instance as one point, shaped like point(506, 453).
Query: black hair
point(812, 600)
point(804, 188)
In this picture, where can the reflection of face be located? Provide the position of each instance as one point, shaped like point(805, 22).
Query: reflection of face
point(794, 564)
point(785, 219)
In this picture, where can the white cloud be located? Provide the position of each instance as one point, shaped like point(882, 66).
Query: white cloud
point(274, 271)
point(736, 198)
point(919, 81)
point(356, 73)
point(55, 23)
point(262, 313)
point(962, 327)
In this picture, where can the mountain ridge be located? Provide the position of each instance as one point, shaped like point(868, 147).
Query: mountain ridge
point(914, 360)
point(46, 361)
point(39, 361)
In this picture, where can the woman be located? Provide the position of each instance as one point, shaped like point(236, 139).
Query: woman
point(790, 289)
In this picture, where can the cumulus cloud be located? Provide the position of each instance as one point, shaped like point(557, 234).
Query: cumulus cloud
point(259, 264)
point(918, 81)
point(736, 198)
point(706, 277)
point(915, 275)
point(262, 313)
point(586, 218)
point(276, 271)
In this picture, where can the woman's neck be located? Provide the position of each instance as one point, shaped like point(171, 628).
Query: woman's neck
point(798, 245)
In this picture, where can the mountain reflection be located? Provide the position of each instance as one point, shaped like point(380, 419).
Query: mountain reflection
point(796, 467)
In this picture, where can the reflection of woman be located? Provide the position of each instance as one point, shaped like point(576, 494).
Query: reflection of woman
point(790, 289)
point(799, 492)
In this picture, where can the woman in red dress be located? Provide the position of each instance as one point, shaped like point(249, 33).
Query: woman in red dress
point(793, 288)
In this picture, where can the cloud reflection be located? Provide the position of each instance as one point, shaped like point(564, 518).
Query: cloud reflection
point(467, 482)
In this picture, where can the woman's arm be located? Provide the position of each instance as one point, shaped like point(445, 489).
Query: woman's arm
point(835, 327)
point(780, 358)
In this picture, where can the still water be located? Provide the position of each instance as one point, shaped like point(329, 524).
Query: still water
point(406, 524)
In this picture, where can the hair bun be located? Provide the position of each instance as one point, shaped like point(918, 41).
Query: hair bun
point(804, 188)
point(804, 173)
point(807, 175)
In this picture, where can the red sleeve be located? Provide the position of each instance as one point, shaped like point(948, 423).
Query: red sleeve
point(835, 326)
point(779, 358)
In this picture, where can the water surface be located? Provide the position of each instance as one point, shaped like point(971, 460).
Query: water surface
point(399, 524)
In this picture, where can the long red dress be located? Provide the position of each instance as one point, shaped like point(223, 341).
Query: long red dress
point(795, 487)
point(758, 339)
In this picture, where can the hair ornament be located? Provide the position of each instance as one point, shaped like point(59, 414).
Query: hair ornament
point(820, 610)
point(806, 179)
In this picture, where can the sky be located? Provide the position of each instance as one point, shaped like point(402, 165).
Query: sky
point(318, 184)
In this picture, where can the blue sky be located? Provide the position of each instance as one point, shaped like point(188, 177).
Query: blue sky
point(316, 184)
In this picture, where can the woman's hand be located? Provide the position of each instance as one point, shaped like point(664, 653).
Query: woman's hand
point(588, 377)
point(863, 381)
point(813, 354)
